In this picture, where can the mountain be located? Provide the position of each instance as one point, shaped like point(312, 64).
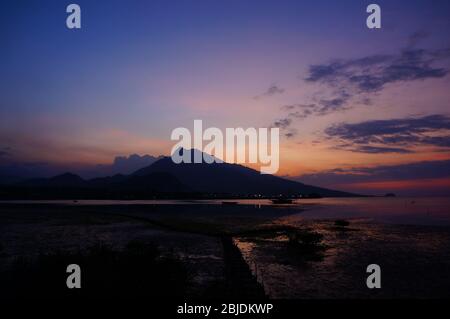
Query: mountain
point(8, 179)
point(14, 172)
point(162, 182)
point(108, 181)
point(164, 178)
point(71, 186)
point(122, 165)
point(63, 180)
point(233, 179)
point(152, 182)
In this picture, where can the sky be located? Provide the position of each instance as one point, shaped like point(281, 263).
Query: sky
point(359, 109)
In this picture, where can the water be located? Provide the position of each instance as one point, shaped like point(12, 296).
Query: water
point(414, 255)
point(419, 211)
point(416, 211)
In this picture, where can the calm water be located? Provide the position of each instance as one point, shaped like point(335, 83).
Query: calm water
point(421, 211)
point(415, 259)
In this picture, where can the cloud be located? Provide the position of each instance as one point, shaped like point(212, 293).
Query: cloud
point(290, 134)
point(346, 177)
point(272, 90)
point(346, 83)
point(373, 149)
point(282, 123)
point(392, 136)
point(418, 170)
point(322, 107)
point(355, 80)
point(121, 165)
point(302, 111)
point(350, 82)
point(372, 73)
point(299, 111)
point(127, 165)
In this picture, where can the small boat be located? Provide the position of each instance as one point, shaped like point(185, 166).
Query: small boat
point(282, 201)
point(229, 203)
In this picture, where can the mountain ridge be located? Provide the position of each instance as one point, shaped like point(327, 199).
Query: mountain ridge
point(164, 177)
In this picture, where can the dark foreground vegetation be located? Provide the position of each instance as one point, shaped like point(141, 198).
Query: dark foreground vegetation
point(137, 271)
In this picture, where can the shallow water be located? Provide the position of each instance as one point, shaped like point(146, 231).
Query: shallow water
point(415, 211)
point(399, 234)
point(414, 261)
point(397, 210)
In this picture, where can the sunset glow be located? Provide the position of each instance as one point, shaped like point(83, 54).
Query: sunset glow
point(343, 96)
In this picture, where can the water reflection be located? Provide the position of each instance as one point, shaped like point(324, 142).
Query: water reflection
point(424, 211)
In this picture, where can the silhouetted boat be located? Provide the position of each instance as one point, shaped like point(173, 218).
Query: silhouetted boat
point(390, 195)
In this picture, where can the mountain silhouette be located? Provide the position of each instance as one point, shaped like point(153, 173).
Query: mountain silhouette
point(63, 180)
point(164, 178)
point(225, 178)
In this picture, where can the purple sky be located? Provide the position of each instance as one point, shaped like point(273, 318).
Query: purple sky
point(349, 100)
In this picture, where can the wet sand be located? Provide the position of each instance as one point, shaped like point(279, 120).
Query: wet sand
point(414, 261)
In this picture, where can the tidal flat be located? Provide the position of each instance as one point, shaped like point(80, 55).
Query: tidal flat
point(287, 253)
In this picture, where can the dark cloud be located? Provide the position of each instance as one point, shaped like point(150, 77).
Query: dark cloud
point(350, 82)
point(392, 136)
point(337, 103)
point(373, 149)
point(357, 79)
point(372, 73)
point(402, 172)
point(419, 170)
point(272, 90)
point(322, 107)
point(282, 123)
point(290, 134)
point(299, 111)
point(129, 164)
point(302, 111)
